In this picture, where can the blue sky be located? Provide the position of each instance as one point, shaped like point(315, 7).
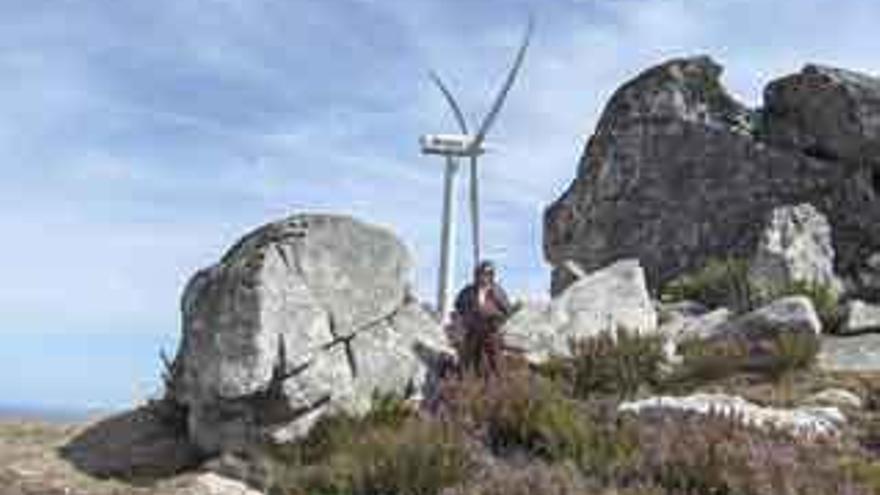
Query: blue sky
point(138, 140)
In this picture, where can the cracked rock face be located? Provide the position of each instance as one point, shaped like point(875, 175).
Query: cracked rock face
point(678, 173)
point(302, 316)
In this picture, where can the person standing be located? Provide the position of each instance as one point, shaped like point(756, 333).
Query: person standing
point(481, 307)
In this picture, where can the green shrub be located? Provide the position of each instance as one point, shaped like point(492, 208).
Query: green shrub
point(536, 477)
point(620, 363)
point(721, 282)
point(792, 351)
point(726, 282)
point(864, 471)
point(717, 455)
point(519, 412)
point(706, 361)
point(417, 457)
point(389, 450)
point(337, 431)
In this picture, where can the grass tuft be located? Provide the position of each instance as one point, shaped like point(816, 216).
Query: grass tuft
point(610, 364)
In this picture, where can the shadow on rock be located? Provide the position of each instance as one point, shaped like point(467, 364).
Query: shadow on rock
point(139, 446)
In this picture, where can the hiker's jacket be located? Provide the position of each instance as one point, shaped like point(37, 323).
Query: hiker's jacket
point(495, 307)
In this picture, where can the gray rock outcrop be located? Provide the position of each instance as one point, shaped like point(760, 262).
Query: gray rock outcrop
point(803, 421)
point(795, 246)
point(302, 316)
point(826, 112)
point(678, 173)
point(613, 297)
point(860, 317)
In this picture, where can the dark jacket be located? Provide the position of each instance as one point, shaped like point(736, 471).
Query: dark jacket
point(466, 302)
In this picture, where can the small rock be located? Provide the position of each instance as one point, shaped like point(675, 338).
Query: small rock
point(214, 484)
point(860, 317)
point(836, 397)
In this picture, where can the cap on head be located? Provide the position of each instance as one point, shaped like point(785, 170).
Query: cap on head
point(484, 266)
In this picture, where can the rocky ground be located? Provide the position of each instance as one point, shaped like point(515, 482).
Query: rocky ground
point(33, 462)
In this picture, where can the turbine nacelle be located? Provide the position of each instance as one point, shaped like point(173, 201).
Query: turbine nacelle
point(450, 145)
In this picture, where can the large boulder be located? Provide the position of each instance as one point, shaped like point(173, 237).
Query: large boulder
point(301, 317)
point(678, 173)
point(605, 300)
point(795, 246)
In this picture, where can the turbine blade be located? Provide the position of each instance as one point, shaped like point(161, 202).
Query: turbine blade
point(505, 88)
point(475, 210)
point(451, 101)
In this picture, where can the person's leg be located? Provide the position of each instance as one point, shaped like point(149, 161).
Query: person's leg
point(472, 350)
point(493, 354)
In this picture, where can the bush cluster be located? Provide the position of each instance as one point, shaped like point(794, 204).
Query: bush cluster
point(720, 283)
point(774, 359)
point(518, 412)
point(715, 455)
point(726, 282)
point(556, 430)
point(389, 451)
point(619, 364)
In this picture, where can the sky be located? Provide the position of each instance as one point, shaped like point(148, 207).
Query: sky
point(139, 140)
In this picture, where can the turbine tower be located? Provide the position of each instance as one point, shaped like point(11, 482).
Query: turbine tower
point(464, 145)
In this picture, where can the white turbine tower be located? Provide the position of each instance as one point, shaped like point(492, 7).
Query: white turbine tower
point(454, 146)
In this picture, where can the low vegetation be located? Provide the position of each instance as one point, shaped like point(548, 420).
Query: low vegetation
point(824, 299)
point(620, 364)
point(720, 283)
point(388, 451)
point(555, 429)
point(726, 283)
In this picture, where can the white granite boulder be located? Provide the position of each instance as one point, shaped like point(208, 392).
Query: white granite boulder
point(302, 316)
point(795, 246)
point(610, 298)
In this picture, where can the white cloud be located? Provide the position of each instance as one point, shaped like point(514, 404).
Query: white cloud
point(139, 141)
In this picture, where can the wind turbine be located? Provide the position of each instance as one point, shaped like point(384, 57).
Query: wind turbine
point(464, 145)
